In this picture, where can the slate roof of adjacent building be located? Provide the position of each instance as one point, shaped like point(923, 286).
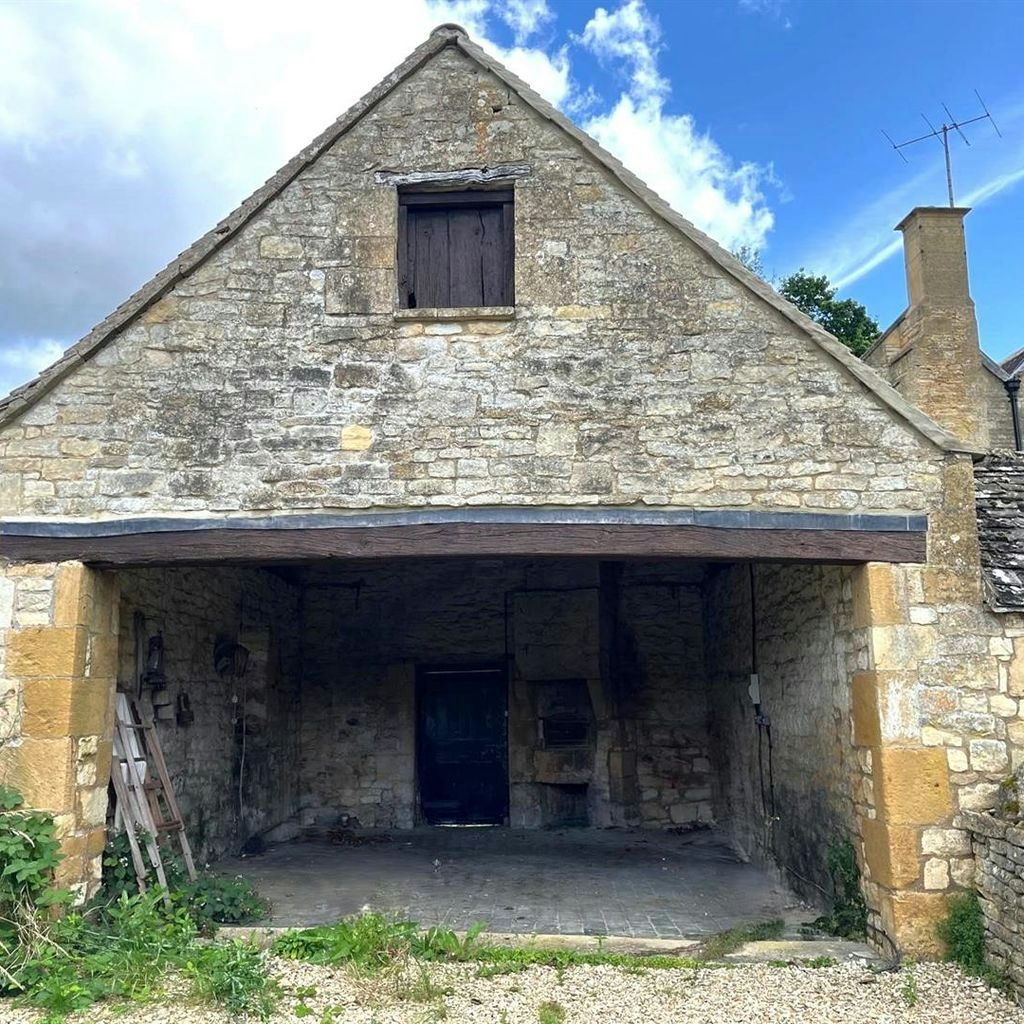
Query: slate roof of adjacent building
point(999, 491)
point(453, 35)
point(1012, 365)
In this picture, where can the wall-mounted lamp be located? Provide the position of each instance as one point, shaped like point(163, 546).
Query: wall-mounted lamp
point(153, 675)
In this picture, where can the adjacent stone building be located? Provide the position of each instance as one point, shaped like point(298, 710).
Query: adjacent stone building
point(454, 476)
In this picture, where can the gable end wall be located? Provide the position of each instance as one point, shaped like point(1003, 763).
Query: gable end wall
point(276, 376)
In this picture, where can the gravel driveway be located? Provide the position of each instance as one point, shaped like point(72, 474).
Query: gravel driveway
point(742, 995)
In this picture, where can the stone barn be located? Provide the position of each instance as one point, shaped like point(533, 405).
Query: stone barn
point(455, 479)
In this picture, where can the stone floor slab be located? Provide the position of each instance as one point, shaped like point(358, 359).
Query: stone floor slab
point(632, 883)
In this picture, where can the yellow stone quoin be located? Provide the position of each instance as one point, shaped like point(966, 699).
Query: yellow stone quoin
point(66, 675)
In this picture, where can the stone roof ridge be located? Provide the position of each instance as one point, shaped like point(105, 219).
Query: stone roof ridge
point(450, 34)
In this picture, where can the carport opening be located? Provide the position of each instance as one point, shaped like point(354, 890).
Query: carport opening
point(368, 703)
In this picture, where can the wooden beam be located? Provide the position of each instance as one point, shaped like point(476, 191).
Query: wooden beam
point(571, 540)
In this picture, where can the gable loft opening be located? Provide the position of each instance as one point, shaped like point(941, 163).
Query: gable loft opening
point(455, 249)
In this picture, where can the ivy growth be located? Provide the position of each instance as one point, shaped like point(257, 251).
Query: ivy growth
point(29, 853)
point(849, 915)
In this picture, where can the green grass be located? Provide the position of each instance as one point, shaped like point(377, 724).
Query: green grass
point(509, 959)
point(720, 945)
point(372, 941)
point(813, 962)
point(423, 990)
point(234, 975)
point(550, 1013)
point(909, 988)
point(125, 952)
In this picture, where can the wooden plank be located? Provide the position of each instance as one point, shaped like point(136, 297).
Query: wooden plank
point(591, 540)
point(430, 286)
point(508, 239)
point(492, 259)
point(121, 795)
point(465, 256)
point(404, 259)
point(138, 810)
point(167, 787)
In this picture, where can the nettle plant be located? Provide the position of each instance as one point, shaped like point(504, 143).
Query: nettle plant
point(209, 899)
point(29, 854)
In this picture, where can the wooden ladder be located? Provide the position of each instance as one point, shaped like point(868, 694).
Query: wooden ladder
point(146, 804)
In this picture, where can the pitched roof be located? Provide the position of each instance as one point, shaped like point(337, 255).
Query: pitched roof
point(999, 495)
point(1012, 365)
point(453, 35)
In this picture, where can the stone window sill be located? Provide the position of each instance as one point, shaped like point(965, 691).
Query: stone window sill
point(457, 313)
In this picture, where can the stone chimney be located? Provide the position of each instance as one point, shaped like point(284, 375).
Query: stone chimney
point(938, 364)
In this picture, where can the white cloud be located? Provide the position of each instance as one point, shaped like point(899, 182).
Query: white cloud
point(861, 264)
point(548, 74)
point(773, 9)
point(23, 359)
point(631, 35)
point(525, 17)
point(685, 166)
point(689, 170)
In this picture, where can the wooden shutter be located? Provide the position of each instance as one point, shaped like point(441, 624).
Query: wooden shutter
point(456, 249)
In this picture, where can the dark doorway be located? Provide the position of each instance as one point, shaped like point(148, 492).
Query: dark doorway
point(462, 745)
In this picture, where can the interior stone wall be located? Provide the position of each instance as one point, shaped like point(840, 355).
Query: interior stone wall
point(365, 631)
point(663, 636)
point(232, 752)
point(793, 802)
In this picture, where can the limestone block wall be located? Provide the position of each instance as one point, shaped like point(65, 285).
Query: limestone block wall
point(996, 406)
point(231, 742)
point(791, 804)
point(58, 628)
point(1011, 683)
point(999, 851)
point(934, 719)
point(664, 631)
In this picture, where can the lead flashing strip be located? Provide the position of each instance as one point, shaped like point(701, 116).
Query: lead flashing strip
point(724, 519)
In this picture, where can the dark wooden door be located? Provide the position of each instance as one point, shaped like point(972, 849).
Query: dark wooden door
point(462, 746)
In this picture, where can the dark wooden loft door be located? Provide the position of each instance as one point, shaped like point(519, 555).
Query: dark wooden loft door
point(462, 746)
point(456, 249)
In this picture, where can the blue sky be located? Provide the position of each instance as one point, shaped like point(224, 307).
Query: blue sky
point(129, 127)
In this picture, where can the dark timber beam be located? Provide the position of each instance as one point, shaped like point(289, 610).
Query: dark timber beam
point(468, 539)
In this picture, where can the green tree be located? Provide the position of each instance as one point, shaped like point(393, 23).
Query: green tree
point(847, 319)
point(751, 258)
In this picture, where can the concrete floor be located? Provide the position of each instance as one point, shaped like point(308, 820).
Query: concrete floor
point(572, 881)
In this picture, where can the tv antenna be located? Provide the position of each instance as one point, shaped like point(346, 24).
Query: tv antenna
point(942, 134)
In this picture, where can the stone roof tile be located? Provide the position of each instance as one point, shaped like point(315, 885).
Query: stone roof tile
point(999, 493)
